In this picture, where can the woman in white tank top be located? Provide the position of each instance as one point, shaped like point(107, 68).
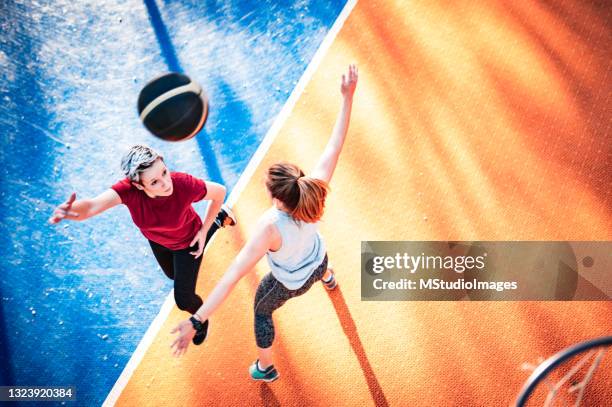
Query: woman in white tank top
point(288, 235)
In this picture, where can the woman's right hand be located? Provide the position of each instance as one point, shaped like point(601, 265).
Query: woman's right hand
point(64, 210)
point(185, 332)
point(349, 82)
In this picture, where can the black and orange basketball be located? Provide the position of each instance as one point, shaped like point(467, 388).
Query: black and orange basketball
point(173, 107)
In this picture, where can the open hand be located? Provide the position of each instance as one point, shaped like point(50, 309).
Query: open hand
point(349, 82)
point(64, 210)
point(186, 332)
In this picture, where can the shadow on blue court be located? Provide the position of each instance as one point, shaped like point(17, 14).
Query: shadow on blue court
point(163, 38)
point(169, 55)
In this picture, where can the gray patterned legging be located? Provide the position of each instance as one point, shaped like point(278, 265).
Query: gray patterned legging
point(271, 295)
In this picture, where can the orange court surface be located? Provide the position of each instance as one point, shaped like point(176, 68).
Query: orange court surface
point(471, 121)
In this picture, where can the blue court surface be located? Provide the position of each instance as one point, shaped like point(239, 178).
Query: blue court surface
point(76, 298)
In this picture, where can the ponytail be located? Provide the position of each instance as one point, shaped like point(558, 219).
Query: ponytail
point(303, 197)
point(311, 205)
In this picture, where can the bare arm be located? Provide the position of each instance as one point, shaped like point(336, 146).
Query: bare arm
point(251, 253)
point(82, 209)
point(215, 193)
point(244, 263)
point(329, 159)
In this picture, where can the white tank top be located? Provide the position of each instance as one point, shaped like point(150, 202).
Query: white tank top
point(301, 252)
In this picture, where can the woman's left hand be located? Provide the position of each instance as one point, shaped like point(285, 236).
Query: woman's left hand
point(200, 240)
point(186, 333)
point(349, 82)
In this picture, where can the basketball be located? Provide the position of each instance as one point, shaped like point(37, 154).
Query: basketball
point(173, 107)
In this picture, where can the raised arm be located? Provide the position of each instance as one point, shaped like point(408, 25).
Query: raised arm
point(328, 160)
point(82, 209)
point(243, 264)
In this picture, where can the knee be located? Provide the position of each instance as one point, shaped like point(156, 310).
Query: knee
point(182, 305)
point(262, 318)
point(262, 314)
point(264, 342)
point(186, 302)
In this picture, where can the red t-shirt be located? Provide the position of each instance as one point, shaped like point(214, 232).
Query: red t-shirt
point(170, 221)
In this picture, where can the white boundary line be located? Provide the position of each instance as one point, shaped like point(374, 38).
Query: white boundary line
point(246, 176)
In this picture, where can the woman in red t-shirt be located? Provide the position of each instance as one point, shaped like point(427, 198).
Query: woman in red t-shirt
point(160, 204)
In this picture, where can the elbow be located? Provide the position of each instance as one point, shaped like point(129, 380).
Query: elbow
point(222, 193)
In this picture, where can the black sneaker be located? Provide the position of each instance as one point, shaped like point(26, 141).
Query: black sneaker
point(225, 217)
point(201, 332)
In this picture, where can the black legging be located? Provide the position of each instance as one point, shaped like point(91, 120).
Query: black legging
point(182, 267)
point(271, 294)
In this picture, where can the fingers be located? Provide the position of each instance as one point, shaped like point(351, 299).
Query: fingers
point(60, 214)
point(349, 80)
point(198, 252)
point(181, 347)
point(175, 329)
point(69, 202)
point(353, 73)
point(178, 344)
point(63, 210)
point(57, 217)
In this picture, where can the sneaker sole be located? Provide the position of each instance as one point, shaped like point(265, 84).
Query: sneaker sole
point(266, 380)
point(262, 379)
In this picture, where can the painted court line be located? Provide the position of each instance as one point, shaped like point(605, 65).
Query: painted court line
point(246, 176)
point(288, 107)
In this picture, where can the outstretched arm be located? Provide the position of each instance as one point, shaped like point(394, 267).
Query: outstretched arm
point(244, 263)
point(327, 163)
point(83, 209)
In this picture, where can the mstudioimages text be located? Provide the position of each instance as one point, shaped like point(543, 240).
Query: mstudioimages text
point(412, 264)
point(439, 284)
